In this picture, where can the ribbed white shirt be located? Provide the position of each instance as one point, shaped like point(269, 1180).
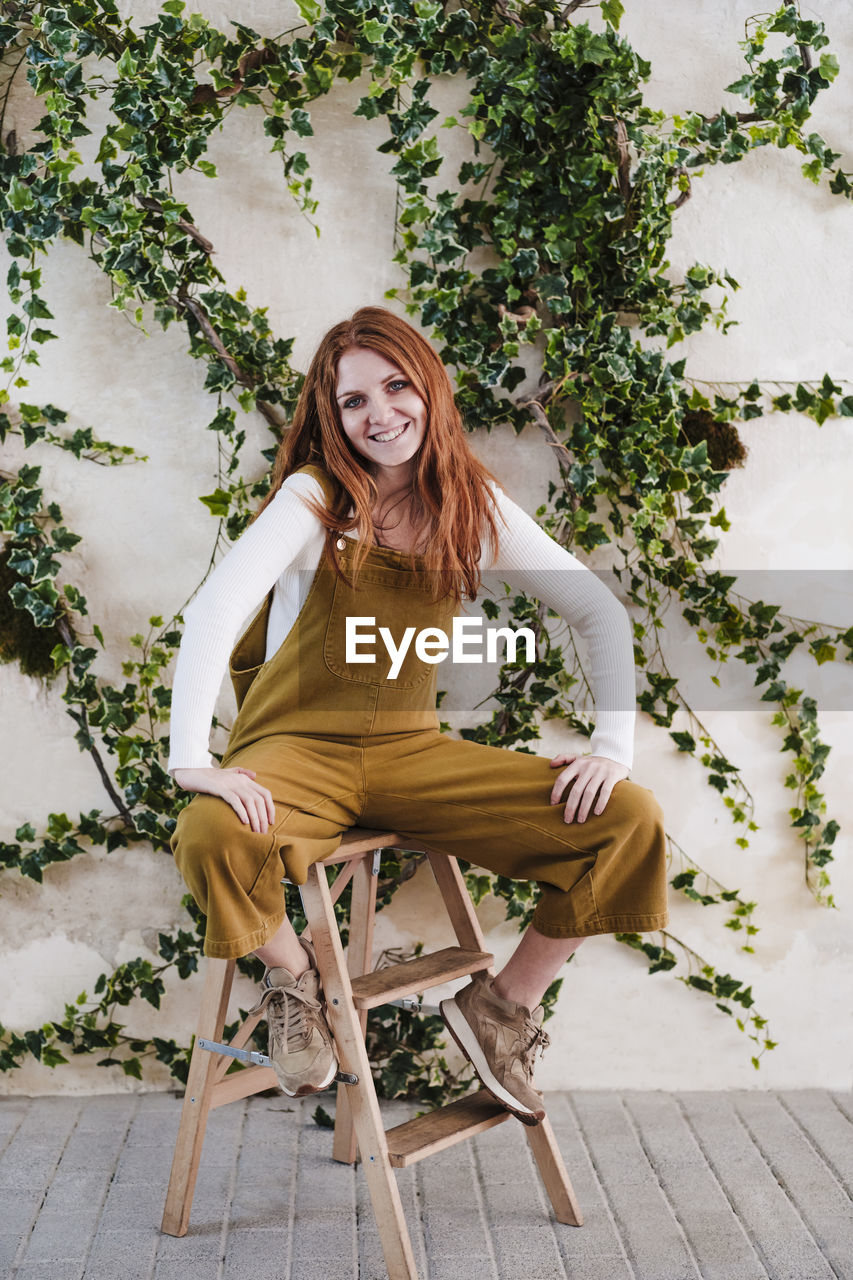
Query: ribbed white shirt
point(283, 546)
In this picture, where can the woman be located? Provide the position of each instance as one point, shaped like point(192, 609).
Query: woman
point(379, 513)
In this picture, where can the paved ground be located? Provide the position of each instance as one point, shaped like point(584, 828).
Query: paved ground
point(734, 1185)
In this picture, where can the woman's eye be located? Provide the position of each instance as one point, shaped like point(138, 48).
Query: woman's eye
point(353, 400)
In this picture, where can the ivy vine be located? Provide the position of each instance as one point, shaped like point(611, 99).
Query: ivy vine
point(568, 195)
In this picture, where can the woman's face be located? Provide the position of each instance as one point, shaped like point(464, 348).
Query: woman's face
point(382, 414)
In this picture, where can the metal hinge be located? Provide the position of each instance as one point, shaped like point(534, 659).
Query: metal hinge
point(261, 1060)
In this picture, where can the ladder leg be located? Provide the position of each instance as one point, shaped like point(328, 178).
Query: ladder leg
point(369, 1128)
point(554, 1174)
point(460, 908)
point(359, 961)
point(219, 976)
point(457, 900)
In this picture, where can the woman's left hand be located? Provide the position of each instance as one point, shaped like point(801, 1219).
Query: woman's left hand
point(592, 776)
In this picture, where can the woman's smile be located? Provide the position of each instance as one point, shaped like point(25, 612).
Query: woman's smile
point(385, 437)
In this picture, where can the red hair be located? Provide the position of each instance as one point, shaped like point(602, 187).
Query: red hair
point(450, 486)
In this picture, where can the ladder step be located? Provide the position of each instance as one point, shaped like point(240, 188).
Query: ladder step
point(423, 1136)
point(396, 980)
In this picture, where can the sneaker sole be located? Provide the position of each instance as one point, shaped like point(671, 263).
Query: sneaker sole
point(305, 1089)
point(459, 1027)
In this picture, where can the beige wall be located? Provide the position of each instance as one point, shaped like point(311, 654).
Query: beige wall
point(146, 541)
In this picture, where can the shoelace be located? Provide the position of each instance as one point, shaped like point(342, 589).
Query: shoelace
point(539, 1040)
point(286, 1012)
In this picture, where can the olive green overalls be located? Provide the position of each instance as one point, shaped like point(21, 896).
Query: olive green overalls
point(340, 744)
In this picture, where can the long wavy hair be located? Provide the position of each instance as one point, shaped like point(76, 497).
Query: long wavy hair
point(450, 496)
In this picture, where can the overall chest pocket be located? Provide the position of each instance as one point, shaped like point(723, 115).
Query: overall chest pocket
point(397, 604)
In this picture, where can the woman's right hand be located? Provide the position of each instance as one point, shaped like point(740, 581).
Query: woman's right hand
point(252, 803)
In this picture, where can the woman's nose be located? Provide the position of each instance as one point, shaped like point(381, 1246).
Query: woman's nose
point(379, 412)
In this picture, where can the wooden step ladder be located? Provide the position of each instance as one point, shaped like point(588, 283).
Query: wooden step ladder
point(351, 987)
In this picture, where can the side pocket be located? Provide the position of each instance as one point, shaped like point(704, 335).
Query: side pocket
point(247, 656)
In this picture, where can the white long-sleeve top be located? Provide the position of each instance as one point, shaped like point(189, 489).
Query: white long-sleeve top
point(283, 547)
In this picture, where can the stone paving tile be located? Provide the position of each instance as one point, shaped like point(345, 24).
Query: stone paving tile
point(71, 1188)
point(27, 1172)
point(11, 1244)
point(105, 1110)
point(200, 1244)
point(781, 1239)
point(12, 1114)
point(653, 1237)
point(261, 1205)
point(90, 1149)
point(821, 1200)
point(463, 1267)
point(844, 1102)
point(121, 1253)
point(370, 1257)
point(142, 1164)
point(827, 1127)
point(29, 1160)
point(261, 1255)
point(328, 1269)
point(738, 1185)
point(718, 1241)
point(453, 1219)
point(594, 1251)
point(324, 1234)
point(172, 1270)
point(54, 1270)
point(531, 1245)
point(20, 1212)
point(130, 1205)
point(52, 1115)
point(57, 1237)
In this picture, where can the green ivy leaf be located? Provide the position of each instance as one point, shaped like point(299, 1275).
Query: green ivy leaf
point(218, 502)
point(309, 9)
point(612, 11)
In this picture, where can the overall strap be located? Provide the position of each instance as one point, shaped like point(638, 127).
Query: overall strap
point(248, 654)
point(322, 477)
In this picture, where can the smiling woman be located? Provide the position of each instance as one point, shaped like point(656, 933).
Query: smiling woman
point(385, 424)
point(324, 741)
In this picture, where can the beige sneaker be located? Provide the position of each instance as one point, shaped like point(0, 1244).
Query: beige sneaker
point(499, 1038)
point(300, 1041)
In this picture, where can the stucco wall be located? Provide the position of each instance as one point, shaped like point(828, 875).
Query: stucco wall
point(146, 542)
